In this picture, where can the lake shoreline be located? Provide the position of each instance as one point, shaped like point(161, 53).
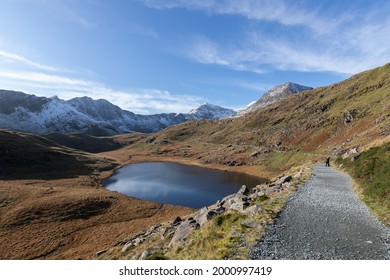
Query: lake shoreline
point(178, 184)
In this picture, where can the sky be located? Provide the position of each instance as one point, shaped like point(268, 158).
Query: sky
point(151, 56)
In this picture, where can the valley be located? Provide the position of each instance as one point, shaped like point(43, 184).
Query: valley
point(52, 204)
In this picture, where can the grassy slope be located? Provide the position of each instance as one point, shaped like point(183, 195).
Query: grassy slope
point(26, 156)
point(303, 128)
point(371, 172)
point(52, 206)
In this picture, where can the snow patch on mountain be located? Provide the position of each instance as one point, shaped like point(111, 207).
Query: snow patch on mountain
point(209, 111)
point(275, 94)
point(41, 115)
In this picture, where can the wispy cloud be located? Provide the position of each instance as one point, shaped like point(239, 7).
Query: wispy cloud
point(12, 57)
point(315, 38)
point(287, 13)
point(143, 101)
point(138, 29)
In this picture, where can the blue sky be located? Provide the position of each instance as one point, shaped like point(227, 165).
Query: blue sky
point(150, 56)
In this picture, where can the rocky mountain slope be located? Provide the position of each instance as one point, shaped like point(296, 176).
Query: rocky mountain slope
point(41, 115)
point(275, 94)
point(343, 119)
point(326, 120)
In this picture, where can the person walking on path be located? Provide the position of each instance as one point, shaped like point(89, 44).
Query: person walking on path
point(327, 162)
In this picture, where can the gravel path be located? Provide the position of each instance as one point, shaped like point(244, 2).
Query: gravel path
point(325, 220)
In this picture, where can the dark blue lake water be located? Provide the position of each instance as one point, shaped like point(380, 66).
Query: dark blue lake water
point(177, 184)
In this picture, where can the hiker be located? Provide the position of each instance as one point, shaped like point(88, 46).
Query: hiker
point(327, 161)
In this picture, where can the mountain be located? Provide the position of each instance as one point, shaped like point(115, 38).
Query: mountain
point(41, 115)
point(209, 111)
point(310, 125)
point(275, 94)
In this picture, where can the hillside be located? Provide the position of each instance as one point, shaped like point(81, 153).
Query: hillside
point(52, 205)
point(30, 156)
point(273, 95)
point(327, 120)
point(303, 128)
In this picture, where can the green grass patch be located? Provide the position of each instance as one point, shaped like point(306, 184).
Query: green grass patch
point(371, 172)
point(157, 256)
point(283, 161)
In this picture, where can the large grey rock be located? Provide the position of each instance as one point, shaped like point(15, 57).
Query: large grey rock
point(251, 224)
point(243, 190)
point(253, 210)
point(182, 232)
point(283, 179)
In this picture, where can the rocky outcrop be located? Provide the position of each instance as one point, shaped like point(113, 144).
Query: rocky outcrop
point(246, 201)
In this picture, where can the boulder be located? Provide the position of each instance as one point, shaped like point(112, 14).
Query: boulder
point(127, 246)
point(243, 190)
point(204, 215)
point(237, 199)
point(182, 232)
point(176, 221)
point(240, 206)
point(253, 210)
point(251, 224)
point(283, 179)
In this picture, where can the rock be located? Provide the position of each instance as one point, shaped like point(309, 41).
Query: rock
point(253, 210)
point(182, 232)
point(237, 199)
point(127, 246)
point(176, 221)
point(243, 190)
point(239, 206)
point(204, 215)
point(137, 241)
point(219, 210)
point(167, 231)
point(254, 154)
point(101, 252)
point(144, 255)
point(283, 179)
point(149, 252)
point(152, 230)
point(226, 198)
point(251, 224)
point(351, 152)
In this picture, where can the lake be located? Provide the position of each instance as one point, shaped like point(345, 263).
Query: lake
point(177, 184)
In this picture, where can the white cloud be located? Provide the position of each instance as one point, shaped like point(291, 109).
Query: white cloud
point(143, 101)
point(287, 13)
point(345, 40)
point(11, 57)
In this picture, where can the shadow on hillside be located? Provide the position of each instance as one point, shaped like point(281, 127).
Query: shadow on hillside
point(27, 156)
point(48, 165)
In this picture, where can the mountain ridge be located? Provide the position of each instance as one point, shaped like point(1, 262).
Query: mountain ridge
point(273, 95)
point(41, 115)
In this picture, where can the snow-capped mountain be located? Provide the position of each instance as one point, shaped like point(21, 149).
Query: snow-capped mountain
point(275, 94)
point(41, 115)
point(209, 111)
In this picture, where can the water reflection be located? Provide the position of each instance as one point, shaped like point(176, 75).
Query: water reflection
point(177, 184)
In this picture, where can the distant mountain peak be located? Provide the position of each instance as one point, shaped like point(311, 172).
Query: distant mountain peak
point(275, 94)
point(210, 111)
point(41, 115)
